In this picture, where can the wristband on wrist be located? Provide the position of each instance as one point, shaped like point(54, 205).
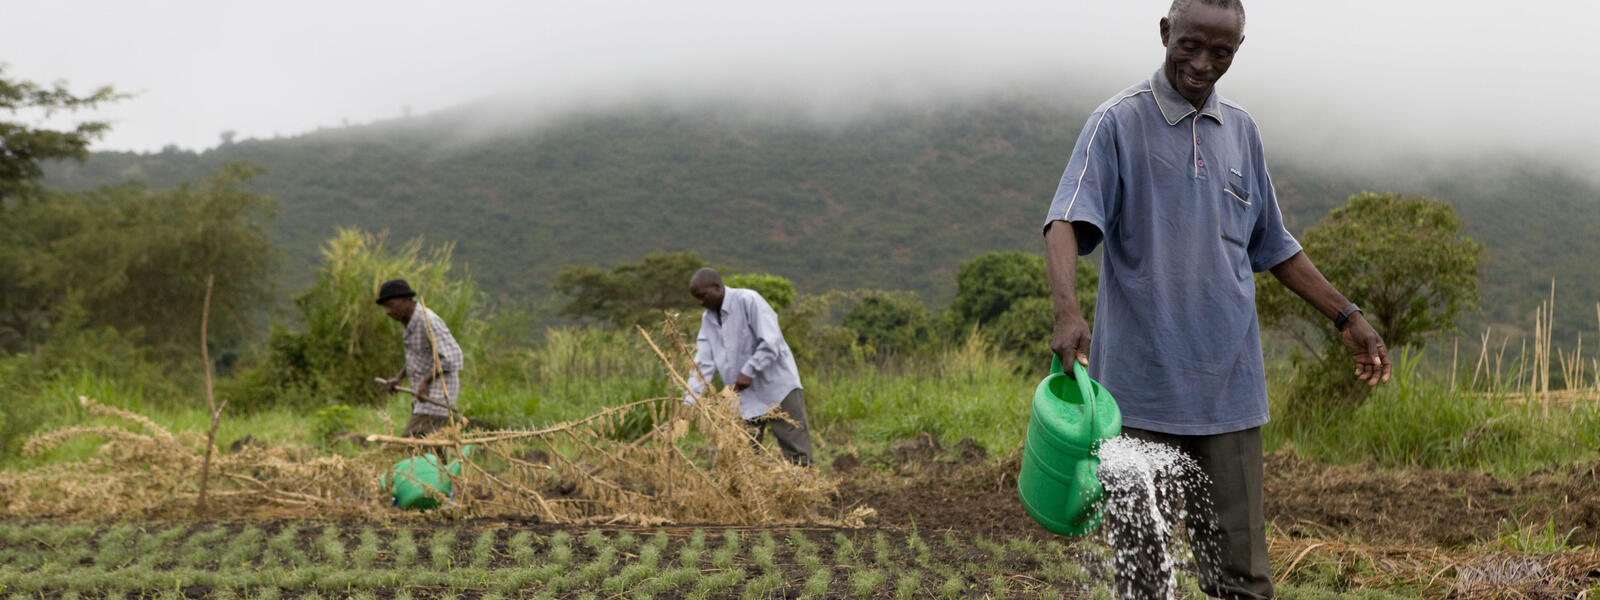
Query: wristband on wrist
point(1344, 316)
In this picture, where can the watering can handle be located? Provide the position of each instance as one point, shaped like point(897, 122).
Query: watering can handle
point(1080, 375)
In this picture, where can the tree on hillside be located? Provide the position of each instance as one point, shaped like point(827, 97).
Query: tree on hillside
point(1403, 259)
point(136, 259)
point(23, 147)
point(630, 293)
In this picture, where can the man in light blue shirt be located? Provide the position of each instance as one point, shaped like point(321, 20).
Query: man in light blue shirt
point(1171, 178)
point(739, 339)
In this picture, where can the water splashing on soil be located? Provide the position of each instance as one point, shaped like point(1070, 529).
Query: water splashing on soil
point(1150, 489)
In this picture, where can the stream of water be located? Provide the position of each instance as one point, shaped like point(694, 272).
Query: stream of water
point(1150, 489)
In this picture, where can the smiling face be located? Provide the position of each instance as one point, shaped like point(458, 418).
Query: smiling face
point(1200, 48)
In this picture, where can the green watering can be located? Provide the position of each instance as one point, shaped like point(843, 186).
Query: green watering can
point(406, 483)
point(1058, 482)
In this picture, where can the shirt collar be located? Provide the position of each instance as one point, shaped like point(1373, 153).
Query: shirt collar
point(1174, 107)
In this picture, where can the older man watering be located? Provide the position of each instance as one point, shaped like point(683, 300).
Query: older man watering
point(1171, 180)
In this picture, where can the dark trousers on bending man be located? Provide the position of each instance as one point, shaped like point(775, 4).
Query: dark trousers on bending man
point(794, 438)
point(1225, 520)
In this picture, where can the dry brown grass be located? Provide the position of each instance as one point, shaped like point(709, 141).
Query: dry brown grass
point(154, 472)
point(581, 471)
point(1460, 573)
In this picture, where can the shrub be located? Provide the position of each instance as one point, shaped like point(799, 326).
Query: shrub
point(891, 323)
point(343, 339)
point(778, 291)
point(331, 421)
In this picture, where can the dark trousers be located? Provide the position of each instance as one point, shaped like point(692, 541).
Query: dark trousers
point(794, 439)
point(422, 425)
point(1225, 520)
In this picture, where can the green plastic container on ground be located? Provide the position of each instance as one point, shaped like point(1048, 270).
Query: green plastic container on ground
point(1058, 482)
point(409, 476)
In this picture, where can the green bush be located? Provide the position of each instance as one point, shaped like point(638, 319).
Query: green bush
point(891, 323)
point(331, 421)
point(778, 291)
point(987, 286)
point(1407, 263)
point(1007, 296)
point(343, 339)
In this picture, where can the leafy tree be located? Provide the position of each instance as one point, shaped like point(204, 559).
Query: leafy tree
point(23, 148)
point(778, 291)
point(1404, 259)
point(630, 293)
point(987, 285)
point(343, 339)
point(891, 322)
point(1024, 328)
point(137, 260)
point(809, 328)
point(1007, 294)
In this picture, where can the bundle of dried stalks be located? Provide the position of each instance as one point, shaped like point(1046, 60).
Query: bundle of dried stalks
point(590, 470)
point(152, 472)
point(595, 469)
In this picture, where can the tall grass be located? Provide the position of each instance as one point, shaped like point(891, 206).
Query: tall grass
point(1421, 421)
point(964, 390)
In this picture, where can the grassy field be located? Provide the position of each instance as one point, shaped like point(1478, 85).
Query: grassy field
point(1418, 420)
point(1464, 439)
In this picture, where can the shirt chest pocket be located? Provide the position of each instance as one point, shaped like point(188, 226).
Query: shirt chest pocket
point(1236, 213)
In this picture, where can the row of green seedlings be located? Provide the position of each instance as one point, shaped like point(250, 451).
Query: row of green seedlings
point(128, 557)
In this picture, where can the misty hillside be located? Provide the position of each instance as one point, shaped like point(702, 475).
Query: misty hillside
point(894, 200)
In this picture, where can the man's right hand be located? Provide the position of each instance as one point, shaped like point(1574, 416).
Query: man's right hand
point(391, 385)
point(1070, 339)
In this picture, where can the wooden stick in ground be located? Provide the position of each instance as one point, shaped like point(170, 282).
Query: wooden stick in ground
point(211, 401)
point(1483, 357)
point(1455, 351)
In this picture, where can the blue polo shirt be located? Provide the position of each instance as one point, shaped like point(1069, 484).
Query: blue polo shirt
point(1183, 204)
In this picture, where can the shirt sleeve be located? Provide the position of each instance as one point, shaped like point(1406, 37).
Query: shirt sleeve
point(1270, 242)
point(703, 362)
point(764, 326)
point(450, 355)
point(1088, 189)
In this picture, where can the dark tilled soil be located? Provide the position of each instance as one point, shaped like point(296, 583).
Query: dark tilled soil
point(937, 490)
point(1426, 507)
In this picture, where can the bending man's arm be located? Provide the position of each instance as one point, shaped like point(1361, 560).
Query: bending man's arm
point(1070, 338)
point(1366, 348)
point(703, 364)
point(764, 326)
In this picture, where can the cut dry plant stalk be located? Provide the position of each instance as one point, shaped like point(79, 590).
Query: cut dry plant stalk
point(586, 471)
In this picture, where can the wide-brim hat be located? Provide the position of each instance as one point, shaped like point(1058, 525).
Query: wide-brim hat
point(394, 288)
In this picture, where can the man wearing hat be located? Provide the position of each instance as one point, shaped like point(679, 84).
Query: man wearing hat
point(433, 359)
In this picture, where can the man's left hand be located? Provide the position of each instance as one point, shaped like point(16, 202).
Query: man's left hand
point(1371, 357)
point(742, 382)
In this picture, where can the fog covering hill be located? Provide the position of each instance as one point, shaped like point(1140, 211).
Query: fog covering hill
point(895, 198)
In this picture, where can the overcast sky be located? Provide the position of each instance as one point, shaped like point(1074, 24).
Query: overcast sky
point(1339, 75)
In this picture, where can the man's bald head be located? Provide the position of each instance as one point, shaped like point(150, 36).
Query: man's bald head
point(706, 286)
point(705, 276)
point(1179, 7)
